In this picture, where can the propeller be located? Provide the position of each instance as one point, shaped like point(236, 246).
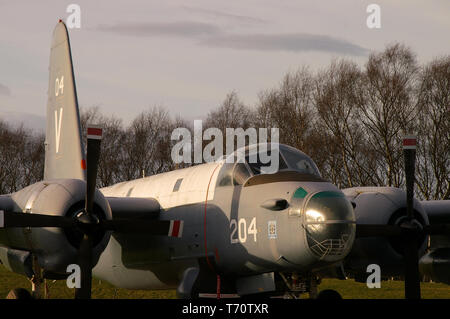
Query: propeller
point(87, 222)
point(411, 226)
point(86, 219)
point(410, 229)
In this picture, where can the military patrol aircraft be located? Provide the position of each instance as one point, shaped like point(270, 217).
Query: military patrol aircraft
point(216, 229)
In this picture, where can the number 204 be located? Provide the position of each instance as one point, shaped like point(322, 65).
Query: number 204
point(240, 232)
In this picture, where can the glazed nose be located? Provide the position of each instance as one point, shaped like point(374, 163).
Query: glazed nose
point(329, 223)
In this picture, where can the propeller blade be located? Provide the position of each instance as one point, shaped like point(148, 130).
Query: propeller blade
point(438, 229)
point(409, 153)
point(152, 227)
point(87, 219)
point(85, 263)
point(94, 137)
point(412, 277)
point(370, 230)
point(13, 219)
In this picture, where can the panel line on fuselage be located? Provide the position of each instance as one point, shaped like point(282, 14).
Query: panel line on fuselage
point(204, 225)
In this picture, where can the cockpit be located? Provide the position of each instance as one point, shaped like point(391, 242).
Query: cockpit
point(264, 158)
point(324, 217)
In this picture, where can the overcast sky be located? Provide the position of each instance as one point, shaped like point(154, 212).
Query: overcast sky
point(187, 55)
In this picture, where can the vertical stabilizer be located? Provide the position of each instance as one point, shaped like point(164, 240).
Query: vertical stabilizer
point(64, 153)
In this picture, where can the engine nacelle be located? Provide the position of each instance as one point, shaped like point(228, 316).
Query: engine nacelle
point(55, 248)
point(385, 206)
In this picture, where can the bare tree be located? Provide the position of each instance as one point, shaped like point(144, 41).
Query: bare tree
point(21, 157)
point(349, 120)
point(337, 97)
point(289, 108)
point(33, 158)
point(112, 156)
point(141, 149)
point(232, 113)
point(147, 144)
point(433, 173)
point(389, 108)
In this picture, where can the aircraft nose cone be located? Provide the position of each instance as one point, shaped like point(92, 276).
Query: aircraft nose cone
point(329, 223)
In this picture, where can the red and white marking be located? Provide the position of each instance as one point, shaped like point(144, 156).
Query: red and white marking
point(210, 295)
point(94, 132)
point(409, 142)
point(176, 228)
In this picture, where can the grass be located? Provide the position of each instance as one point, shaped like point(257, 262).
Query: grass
point(59, 290)
point(349, 289)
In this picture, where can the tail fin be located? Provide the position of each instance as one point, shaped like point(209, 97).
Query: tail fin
point(64, 153)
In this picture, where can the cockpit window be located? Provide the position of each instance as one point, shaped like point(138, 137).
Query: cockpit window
point(256, 159)
point(225, 175)
point(240, 174)
point(256, 164)
point(233, 174)
point(300, 162)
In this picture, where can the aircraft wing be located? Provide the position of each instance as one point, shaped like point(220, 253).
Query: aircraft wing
point(133, 207)
point(438, 211)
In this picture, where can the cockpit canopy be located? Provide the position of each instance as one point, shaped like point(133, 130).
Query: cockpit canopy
point(257, 159)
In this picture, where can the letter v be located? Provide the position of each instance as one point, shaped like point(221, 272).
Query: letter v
point(58, 127)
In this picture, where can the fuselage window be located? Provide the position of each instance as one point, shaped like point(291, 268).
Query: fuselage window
point(177, 185)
